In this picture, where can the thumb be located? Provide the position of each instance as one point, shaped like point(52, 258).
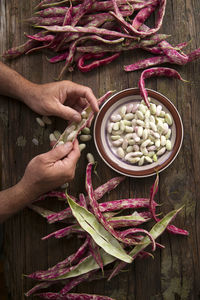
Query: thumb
point(59, 152)
point(68, 113)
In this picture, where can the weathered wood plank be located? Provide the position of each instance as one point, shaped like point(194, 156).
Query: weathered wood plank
point(174, 273)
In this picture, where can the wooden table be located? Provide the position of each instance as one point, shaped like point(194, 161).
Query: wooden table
point(174, 273)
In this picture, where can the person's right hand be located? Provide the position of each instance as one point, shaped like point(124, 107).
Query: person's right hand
point(50, 170)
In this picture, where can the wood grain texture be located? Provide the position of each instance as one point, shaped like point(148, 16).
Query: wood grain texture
point(174, 273)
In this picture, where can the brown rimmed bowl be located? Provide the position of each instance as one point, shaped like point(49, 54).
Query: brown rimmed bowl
point(103, 144)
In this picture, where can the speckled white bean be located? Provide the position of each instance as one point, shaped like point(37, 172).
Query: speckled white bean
point(70, 128)
point(152, 119)
point(139, 131)
point(135, 107)
point(155, 158)
point(158, 110)
point(143, 108)
point(123, 111)
point(153, 126)
point(129, 108)
point(122, 126)
point(35, 141)
point(144, 150)
point(162, 113)
point(109, 127)
point(52, 138)
point(160, 127)
point(151, 153)
point(129, 116)
point(145, 143)
point(161, 151)
point(162, 140)
point(117, 132)
point(145, 134)
point(168, 119)
point(148, 159)
point(147, 124)
point(90, 158)
point(86, 130)
point(140, 115)
point(132, 159)
point(128, 129)
point(115, 137)
point(82, 147)
point(140, 123)
point(85, 137)
point(147, 114)
point(131, 142)
point(118, 142)
point(155, 134)
point(120, 152)
point(136, 148)
point(151, 148)
point(57, 134)
point(115, 118)
point(168, 134)
point(168, 145)
point(129, 136)
point(157, 143)
point(129, 149)
point(116, 126)
point(71, 136)
point(127, 123)
point(84, 114)
point(40, 122)
point(153, 108)
point(141, 161)
point(125, 144)
point(136, 137)
point(165, 128)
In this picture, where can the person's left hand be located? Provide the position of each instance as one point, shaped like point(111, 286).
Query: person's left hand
point(63, 99)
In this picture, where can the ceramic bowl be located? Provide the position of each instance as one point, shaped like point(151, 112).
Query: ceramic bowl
point(103, 143)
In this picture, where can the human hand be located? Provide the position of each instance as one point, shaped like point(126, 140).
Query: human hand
point(49, 99)
point(50, 170)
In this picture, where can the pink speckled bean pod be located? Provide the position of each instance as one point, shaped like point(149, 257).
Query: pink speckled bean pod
point(159, 71)
point(96, 63)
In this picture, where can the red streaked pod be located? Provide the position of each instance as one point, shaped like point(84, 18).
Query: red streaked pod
point(143, 14)
point(97, 212)
point(146, 63)
point(99, 193)
point(58, 58)
point(171, 228)
point(64, 232)
point(140, 230)
point(91, 29)
point(38, 287)
point(155, 72)
point(36, 21)
point(94, 250)
point(193, 55)
point(72, 296)
point(173, 55)
point(76, 281)
point(132, 30)
point(96, 63)
point(133, 203)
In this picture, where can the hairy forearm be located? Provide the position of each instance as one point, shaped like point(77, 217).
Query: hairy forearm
point(12, 200)
point(12, 84)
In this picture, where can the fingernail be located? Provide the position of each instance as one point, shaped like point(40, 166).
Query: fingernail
point(76, 118)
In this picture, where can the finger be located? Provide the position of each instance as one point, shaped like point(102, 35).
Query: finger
point(67, 113)
point(77, 90)
point(59, 152)
point(73, 155)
